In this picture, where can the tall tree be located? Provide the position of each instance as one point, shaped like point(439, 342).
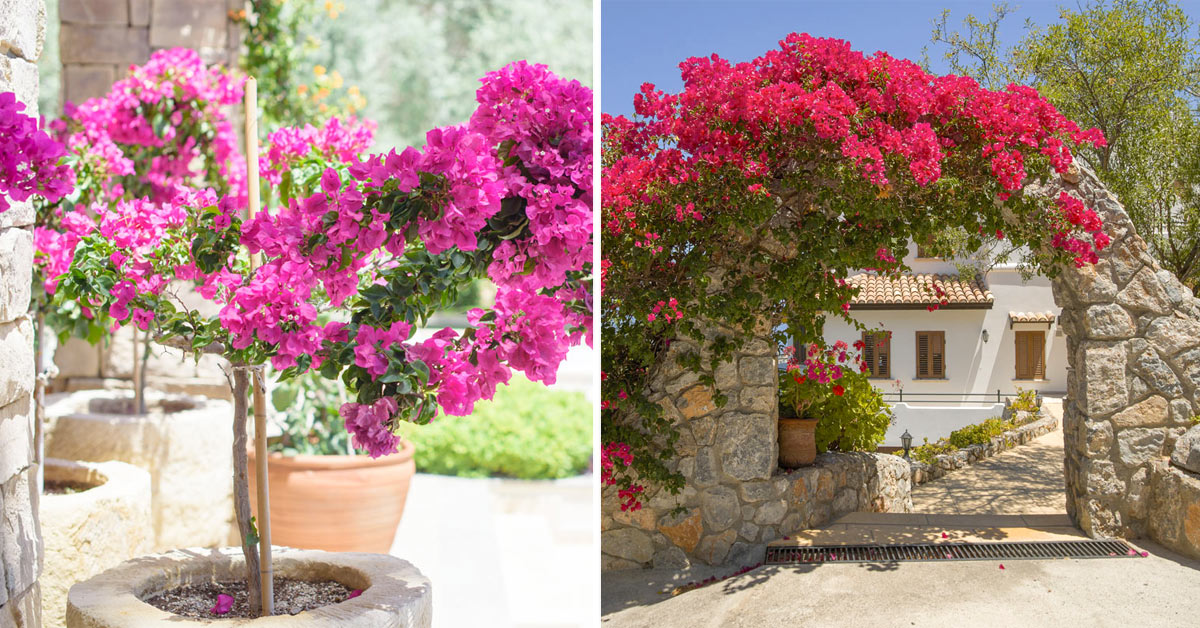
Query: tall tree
point(1130, 68)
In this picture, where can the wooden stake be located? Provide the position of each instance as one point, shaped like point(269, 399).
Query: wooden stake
point(259, 383)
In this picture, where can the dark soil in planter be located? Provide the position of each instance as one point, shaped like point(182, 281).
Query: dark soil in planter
point(291, 597)
point(64, 487)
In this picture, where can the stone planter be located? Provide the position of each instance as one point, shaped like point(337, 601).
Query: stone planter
point(89, 531)
point(336, 503)
point(797, 442)
point(185, 443)
point(395, 594)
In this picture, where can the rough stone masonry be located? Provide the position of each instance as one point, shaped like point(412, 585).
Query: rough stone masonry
point(1133, 380)
point(22, 28)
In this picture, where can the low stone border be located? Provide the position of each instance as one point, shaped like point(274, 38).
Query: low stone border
point(87, 532)
point(731, 524)
point(967, 456)
point(187, 449)
point(395, 593)
point(1174, 513)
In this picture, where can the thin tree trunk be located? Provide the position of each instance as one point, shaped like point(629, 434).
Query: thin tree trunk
point(241, 489)
point(139, 374)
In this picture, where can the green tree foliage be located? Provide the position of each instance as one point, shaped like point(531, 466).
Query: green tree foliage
point(417, 62)
point(1130, 68)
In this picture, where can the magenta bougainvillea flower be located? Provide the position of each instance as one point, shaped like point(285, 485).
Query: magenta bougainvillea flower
point(223, 605)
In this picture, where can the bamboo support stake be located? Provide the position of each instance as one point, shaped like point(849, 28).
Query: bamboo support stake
point(266, 573)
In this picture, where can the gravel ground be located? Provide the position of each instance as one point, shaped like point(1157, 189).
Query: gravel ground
point(291, 597)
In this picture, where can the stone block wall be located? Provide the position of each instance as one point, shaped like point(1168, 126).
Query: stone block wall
point(1133, 376)
point(22, 28)
point(99, 39)
point(736, 499)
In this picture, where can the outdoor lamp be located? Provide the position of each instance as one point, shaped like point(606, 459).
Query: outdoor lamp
point(906, 438)
point(985, 335)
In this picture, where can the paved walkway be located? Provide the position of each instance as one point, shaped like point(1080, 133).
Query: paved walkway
point(1023, 480)
point(503, 552)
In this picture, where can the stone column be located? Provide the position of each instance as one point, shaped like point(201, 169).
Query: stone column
point(22, 28)
point(1133, 342)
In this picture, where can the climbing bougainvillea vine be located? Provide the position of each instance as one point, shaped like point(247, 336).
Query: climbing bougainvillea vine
point(29, 158)
point(381, 242)
point(750, 196)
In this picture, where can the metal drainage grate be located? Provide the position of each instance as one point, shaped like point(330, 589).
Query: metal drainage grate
point(1034, 550)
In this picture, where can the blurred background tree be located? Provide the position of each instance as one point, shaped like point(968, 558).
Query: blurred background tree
point(1130, 68)
point(410, 65)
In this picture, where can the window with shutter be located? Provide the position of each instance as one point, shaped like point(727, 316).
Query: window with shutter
point(877, 353)
point(1031, 354)
point(931, 355)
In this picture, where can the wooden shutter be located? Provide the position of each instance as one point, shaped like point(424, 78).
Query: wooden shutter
point(869, 353)
point(931, 354)
point(877, 353)
point(1031, 354)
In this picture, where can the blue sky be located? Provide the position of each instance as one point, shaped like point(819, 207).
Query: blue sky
point(644, 40)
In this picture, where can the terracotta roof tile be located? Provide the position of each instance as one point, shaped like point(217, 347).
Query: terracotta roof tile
point(919, 291)
point(1031, 317)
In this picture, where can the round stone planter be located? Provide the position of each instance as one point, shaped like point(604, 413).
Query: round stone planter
point(185, 443)
point(395, 594)
point(91, 530)
point(336, 503)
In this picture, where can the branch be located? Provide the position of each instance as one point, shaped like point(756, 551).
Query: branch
point(176, 342)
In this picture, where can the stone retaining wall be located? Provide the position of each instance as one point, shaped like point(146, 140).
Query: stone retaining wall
point(951, 462)
point(736, 499)
point(22, 29)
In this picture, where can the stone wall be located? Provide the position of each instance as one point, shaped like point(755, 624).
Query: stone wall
point(22, 28)
point(1133, 377)
point(101, 38)
point(736, 499)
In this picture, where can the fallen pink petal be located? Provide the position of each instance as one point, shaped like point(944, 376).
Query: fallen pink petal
point(223, 605)
point(355, 593)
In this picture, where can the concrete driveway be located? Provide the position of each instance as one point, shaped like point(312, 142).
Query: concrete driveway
point(1161, 590)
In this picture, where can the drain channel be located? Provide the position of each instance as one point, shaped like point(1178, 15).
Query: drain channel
point(1032, 550)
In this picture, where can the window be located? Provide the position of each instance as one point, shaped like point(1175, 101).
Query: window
point(931, 355)
point(922, 251)
point(1031, 354)
point(877, 353)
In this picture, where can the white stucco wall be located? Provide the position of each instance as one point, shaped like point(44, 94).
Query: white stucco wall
point(973, 365)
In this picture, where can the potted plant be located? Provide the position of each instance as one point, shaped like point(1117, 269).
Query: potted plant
point(805, 384)
point(385, 241)
point(325, 494)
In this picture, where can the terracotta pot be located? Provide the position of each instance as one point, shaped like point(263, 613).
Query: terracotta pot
point(336, 503)
point(797, 442)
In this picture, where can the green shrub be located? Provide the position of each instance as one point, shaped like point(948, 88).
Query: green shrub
point(527, 431)
point(857, 420)
point(1026, 400)
point(978, 434)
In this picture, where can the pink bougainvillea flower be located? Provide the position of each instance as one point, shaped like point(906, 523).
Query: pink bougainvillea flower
point(224, 604)
point(1002, 566)
point(945, 536)
point(355, 593)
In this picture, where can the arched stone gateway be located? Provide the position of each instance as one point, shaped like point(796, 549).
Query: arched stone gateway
point(1133, 385)
point(1132, 465)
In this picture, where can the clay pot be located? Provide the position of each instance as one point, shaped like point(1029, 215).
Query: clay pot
point(336, 503)
point(797, 442)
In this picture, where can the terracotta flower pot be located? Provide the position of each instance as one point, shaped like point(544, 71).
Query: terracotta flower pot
point(336, 503)
point(797, 442)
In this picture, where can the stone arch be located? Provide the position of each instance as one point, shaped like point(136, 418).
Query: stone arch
point(1133, 378)
point(1133, 382)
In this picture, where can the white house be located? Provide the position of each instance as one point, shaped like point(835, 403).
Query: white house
point(953, 367)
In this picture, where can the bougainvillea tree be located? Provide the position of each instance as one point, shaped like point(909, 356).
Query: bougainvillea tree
point(383, 241)
point(750, 196)
point(162, 129)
